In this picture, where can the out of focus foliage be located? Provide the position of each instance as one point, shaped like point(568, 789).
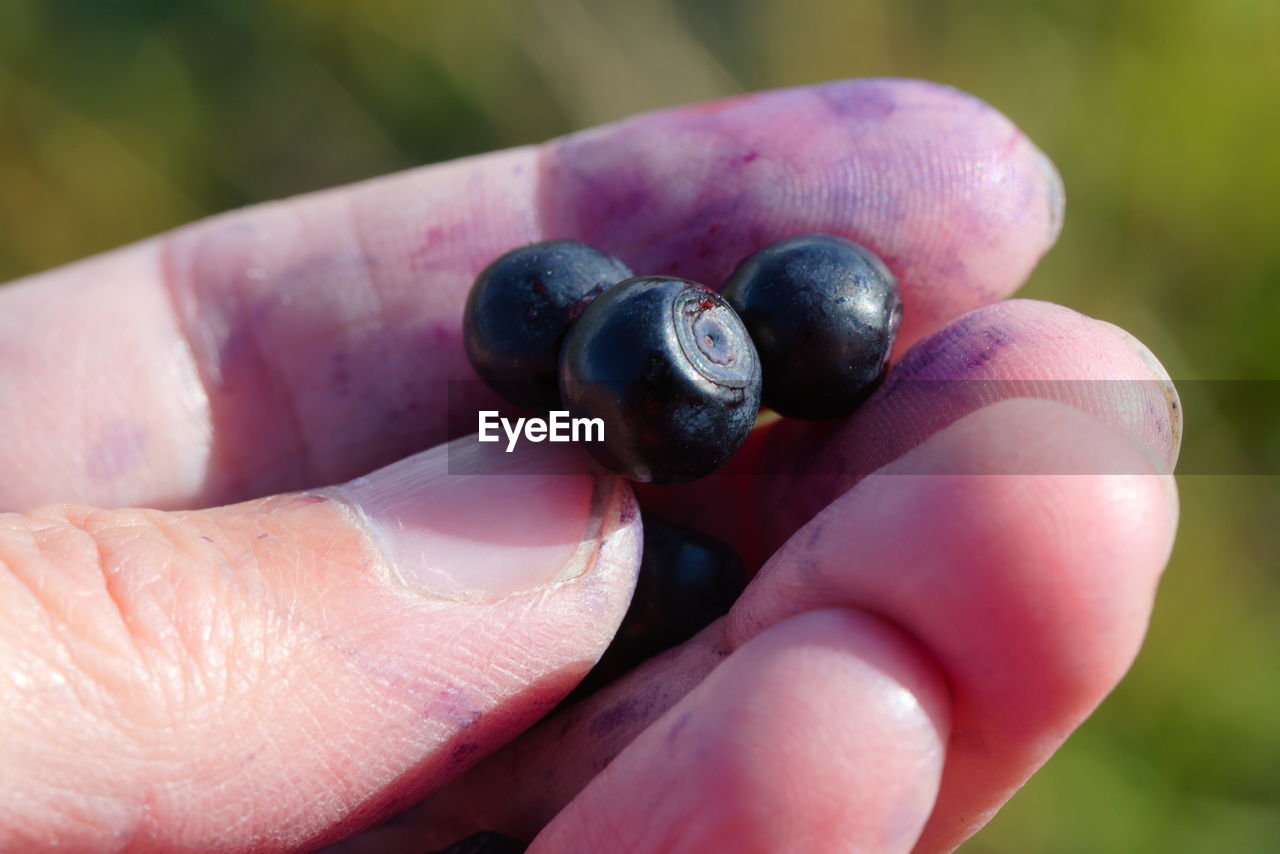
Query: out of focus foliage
point(119, 119)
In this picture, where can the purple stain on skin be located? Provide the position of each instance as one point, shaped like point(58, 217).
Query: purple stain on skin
point(917, 172)
point(994, 340)
point(865, 100)
point(453, 705)
point(340, 377)
point(571, 721)
point(120, 447)
point(436, 248)
point(935, 357)
point(950, 264)
point(625, 201)
point(463, 753)
point(443, 335)
point(937, 381)
point(624, 711)
point(673, 734)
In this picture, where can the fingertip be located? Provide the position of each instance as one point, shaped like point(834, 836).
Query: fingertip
point(826, 732)
point(894, 669)
point(1056, 194)
point(1022, 545)
point(942, 186)
point(1015, 348)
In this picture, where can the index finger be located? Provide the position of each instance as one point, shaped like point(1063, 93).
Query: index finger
point(302, 342)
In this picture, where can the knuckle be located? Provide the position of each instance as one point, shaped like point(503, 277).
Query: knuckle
point(119, 604)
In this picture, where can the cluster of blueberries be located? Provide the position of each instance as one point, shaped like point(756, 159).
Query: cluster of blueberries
point(675, 371)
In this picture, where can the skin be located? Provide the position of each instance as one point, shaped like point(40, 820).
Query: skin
point(948, 582)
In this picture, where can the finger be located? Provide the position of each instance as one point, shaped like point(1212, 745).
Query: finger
point(523, 786)
point(824, 733)
point(303, 342)
point(1031, 590)
point(275, 675)
point(1015, 348)
point(1018, 348)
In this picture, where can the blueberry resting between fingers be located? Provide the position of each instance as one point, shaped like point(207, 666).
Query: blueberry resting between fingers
point(520, 308)
point(670, 370)
point(686, 581)
point(486, 842)
point(823, 312)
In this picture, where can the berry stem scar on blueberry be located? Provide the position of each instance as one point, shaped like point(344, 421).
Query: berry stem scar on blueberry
point(671, 370)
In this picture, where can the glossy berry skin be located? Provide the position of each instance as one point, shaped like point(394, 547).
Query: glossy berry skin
point(520, 308)
point(687, 580)
point(486, 842)
point(669, 368)
point(823, 312)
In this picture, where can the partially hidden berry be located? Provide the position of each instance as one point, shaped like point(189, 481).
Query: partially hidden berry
point(687, 580)
point(520, 308)
point(486, 842)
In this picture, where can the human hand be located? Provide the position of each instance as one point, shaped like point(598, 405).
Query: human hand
point(277, 674)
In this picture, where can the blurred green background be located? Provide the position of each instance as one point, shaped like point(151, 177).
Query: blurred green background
point(120, 118)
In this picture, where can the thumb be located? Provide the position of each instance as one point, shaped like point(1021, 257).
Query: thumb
point(277, 674)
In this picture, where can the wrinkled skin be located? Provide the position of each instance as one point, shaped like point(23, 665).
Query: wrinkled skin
point(949, 581)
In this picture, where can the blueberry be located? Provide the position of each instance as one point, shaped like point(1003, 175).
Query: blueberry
point(687, 579)
point(823, 312)
point(670, 370)
point(486, 842)
point(520, 308)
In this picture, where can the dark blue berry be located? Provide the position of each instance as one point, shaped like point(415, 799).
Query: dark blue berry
point(520, 308)
point(687, 580)
point(823, 312)
point(486, 842)
point(670, 370)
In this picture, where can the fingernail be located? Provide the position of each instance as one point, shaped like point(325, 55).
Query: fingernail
point(1056, 194)
point(1162, 465)
point(1167, 387)
point(506, 526)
